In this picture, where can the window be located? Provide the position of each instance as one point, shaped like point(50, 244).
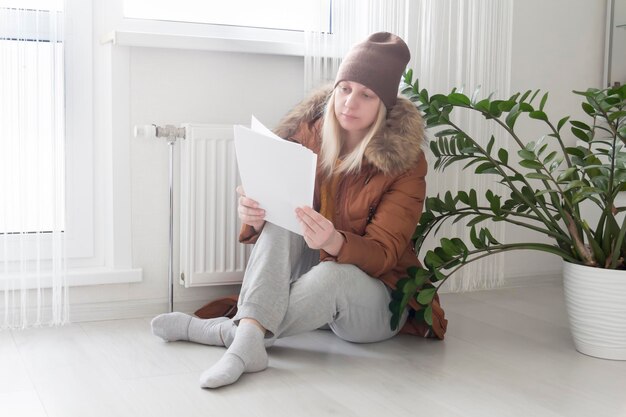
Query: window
point(270, 14)
point(46, 101)
point(32, 116)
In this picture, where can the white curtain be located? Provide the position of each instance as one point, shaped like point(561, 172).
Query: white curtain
point(33, 287)
point(350, 21)
point(465, 44)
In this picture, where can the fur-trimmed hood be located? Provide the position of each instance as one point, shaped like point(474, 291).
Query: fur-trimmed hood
point(395, 148)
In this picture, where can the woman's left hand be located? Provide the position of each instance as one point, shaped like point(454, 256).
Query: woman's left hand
point(319, 232)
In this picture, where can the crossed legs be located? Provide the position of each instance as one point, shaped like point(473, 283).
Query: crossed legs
point(285, 293)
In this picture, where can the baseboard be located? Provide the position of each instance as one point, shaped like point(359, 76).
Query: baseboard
point(536, 280)
point(149, 308)
point(521, 280)
point(131, 309)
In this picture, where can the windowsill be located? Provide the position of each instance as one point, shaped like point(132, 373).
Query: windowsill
point(205, 43)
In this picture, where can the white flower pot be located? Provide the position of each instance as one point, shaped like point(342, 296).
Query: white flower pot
point(596, 306)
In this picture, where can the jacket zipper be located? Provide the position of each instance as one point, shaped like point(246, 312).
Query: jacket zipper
point(370, 215)
point(341, 202)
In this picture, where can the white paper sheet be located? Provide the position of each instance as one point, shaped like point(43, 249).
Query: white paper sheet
point(279, 174)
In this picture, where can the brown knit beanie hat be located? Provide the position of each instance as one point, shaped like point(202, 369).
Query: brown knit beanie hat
point(377, 63)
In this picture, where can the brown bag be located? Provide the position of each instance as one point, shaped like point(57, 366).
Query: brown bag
point(222, 307)
point(227, 307)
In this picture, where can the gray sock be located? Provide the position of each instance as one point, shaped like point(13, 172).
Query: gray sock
point(171, 326)
point(179, 326)
point(246, 354)
point(212, 332)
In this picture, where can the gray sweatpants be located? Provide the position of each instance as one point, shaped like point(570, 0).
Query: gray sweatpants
point(288, 291)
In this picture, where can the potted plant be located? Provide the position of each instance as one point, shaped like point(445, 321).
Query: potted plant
point(547, 182)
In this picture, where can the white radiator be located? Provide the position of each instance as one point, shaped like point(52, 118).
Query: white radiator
point(210, 253)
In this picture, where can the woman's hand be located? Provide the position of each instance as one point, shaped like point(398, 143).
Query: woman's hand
point(249, 211)
point(319, 232)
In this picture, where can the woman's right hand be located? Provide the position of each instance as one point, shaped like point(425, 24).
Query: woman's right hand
point(249, 211)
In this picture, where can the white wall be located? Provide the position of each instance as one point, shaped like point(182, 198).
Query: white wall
point(618, 67)
point(557, 46)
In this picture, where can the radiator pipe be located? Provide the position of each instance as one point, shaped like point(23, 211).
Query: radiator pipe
point(171, 133)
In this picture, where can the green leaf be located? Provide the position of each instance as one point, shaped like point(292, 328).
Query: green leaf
point(503, 155)
point(459, 99)
point(426, 295)
point(432, 261)
point(446, 132)
point(531, 164)
point(439, 276)
point(495, 204)
point(580, 134)
point(428, 315)
point(463, 197)
point(548, 159)
point(473, 199)
point(489, 236)
point(533, 96)
point(526, 94)
point(526, 154)
point(575, 184)
point(580, 125)
point(538, 176)
point(449, 246)
point(617, 115)
point(525, 107)
point(475, 241)
point(441, 253)
point(482, 105)
point(421, 277)
point(505, 105)
point(449, 201)
point(543, 148)
point(538, 114)
point(490, 144)
point(408, 76)
point(477, 219)
point(486, 168)
point(575, 151)
point(561, 123)
point(543, 101)
point(459, 244)
point(567, 174)
point(512, 116)
point(588, 108)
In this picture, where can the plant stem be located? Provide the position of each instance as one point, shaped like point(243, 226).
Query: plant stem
point(546, 220)
point(506, 248)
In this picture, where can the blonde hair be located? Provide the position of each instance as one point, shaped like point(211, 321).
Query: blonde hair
point(332, 139)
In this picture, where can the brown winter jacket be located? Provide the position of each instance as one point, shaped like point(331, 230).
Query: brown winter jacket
point(378, 208)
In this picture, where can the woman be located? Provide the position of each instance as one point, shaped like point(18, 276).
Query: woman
point(368, 196)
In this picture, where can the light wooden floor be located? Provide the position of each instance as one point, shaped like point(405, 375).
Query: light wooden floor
point(507, 353)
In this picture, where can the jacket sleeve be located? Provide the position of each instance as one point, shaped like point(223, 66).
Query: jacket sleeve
point(389, 233)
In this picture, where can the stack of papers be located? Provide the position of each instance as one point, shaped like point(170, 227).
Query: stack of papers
point(279, 174)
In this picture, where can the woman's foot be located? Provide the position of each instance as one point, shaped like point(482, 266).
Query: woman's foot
point(246, 354)
point(179, 326)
